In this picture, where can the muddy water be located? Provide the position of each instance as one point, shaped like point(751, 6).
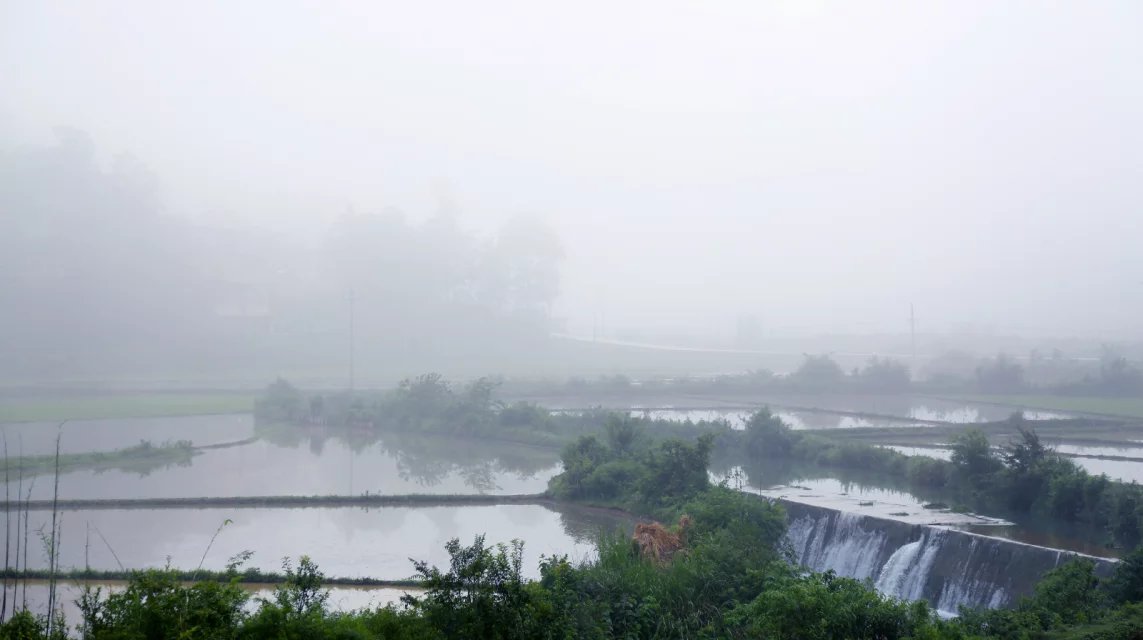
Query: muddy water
point(79, 436)
point(344, 542)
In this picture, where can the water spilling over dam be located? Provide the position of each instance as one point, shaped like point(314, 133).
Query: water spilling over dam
point(947, 567)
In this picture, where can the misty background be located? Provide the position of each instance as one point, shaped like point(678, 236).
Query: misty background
point(228, 187)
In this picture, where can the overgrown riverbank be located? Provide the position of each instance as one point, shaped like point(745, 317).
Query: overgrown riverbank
point(142, 457)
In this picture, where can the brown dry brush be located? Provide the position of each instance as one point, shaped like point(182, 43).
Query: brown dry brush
point(659, 544)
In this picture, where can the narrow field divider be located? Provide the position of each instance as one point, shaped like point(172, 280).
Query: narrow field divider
point(256, 502)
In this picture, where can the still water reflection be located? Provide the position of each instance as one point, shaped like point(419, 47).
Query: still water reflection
point(313, 466)
point(344, 542)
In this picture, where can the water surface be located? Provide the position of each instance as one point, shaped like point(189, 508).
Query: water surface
point(344, 542)
point(322, 467)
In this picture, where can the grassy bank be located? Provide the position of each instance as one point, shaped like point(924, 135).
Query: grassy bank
point(247, 577)
point(55, 408)
point(141, 457)
point(293, 502)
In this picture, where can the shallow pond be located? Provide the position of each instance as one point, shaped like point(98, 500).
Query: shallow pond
point(344, 542)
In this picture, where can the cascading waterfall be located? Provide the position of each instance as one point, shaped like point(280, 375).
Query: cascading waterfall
point(843, 546)
point(948, 568)
point(907, 570)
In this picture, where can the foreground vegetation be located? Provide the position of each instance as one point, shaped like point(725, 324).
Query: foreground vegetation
point(720, 573)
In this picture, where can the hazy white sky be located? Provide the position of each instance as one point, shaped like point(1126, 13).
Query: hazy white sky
point(819, 164)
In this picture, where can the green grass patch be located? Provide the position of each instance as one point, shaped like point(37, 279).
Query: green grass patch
point(121, 405)
point(1126, 407)
point(142, 458)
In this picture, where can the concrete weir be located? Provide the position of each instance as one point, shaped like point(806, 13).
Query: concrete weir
point(947, 567)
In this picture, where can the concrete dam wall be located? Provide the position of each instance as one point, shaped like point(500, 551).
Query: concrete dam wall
point(946, 567)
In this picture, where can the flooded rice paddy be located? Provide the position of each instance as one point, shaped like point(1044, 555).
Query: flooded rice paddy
point(928, 452)
point(737, 417)
point(351, 542)
point(344, 542)
point(820, 411)
point(320, 467)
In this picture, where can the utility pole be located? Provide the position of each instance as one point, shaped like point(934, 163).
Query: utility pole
point(913, 339)
point(351, 339)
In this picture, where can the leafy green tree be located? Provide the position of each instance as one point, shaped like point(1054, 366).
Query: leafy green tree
point(1069, 592)
point(623, 432)
point(580, 460)
point(281, 402)
point(1118, 377)
point(972, 456)
point(884, 375)
point(1127, 583)
point(483, 593)
point(1025, 452)
point(156, 606)
point(827, 607)
point(1001, 375)
point(767, 436)
point(818, 373)
point(676, 471)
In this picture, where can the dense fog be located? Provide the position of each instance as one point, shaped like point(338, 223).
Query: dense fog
point(286, 188)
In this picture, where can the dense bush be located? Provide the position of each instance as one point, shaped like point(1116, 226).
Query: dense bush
point(824, 607)
point(632, 469)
